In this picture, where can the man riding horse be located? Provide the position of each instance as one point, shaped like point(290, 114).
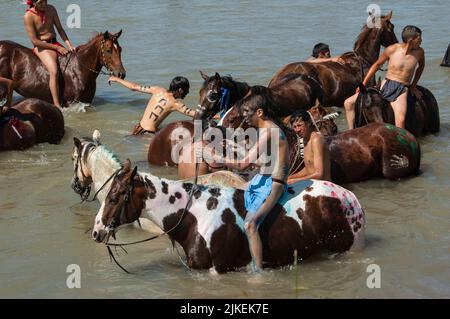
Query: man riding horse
point(40, 20)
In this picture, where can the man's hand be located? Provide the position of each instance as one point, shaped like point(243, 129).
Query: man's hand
point(71, 48)
point(112, 78)
point(416, 92)
point(62, 50)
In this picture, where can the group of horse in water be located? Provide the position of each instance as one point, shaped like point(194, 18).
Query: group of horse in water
point(206, 217)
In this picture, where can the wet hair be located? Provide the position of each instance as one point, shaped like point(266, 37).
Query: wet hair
point(179, 82)
point(319, 47)
point(300, 115)
point(259, 97)
point(410, 32)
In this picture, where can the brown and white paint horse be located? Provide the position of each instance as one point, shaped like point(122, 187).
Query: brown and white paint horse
point(30, 122)
point(313, 215)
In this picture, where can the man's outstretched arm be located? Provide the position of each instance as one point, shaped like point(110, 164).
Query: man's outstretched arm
point(133, 86)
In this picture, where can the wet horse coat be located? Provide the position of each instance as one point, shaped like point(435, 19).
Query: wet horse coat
point(311, 216)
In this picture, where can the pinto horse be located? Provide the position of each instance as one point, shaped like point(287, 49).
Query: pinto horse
point(208, 222)
point(30, 122)
point(93, 164)
point(377, 149)
point(339, 81)
point(422, 116)
point(79, 70)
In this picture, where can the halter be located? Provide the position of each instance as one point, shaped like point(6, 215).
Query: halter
point(104, 64)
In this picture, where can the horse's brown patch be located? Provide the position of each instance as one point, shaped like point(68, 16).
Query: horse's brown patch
point(150, 188)
point(238, 201)
point(189, 238)
point(197, 193)
point(229, 245)
point(300, 213)
point(172, 199)
point(309, 189)
point(178, 195)
point(215, 192)
point(165, 187)
point(212, 203)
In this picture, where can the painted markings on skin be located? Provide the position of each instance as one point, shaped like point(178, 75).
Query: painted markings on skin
point(153, 114)
point(404, 137)
point(399, 161)
point(160, 108)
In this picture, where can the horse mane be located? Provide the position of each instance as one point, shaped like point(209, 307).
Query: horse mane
point(362, 37)
point(91, 144)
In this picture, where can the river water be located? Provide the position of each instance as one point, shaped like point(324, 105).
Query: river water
point(42, 224)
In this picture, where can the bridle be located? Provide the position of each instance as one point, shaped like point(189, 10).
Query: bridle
point(105, 63)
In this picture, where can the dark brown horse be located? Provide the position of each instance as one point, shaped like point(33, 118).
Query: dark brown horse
point(79, 70)
point(30, 122)
point(311, 216)
point(218, 94)
point(340, 81)
point(422, 115)
point(377, 149)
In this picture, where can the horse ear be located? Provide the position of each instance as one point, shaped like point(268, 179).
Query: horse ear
point(118, 34)
point(77, 142)
point(204, 76)
point(127, 166)
point(133, 174)
point(389, 15)
point(96, 137)
point(217, 76)
point(106, 35)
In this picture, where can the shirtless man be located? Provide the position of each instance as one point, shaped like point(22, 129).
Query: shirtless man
point(7, 101)
point(40, 20)
point(316, 152)
point(162, 103)
point(320, 51)
point(406, 61)
point(266, 188)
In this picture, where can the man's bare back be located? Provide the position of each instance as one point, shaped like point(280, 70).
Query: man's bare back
point(162, 103)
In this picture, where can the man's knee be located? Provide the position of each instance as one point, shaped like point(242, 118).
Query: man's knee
point(349, 105)
point(250, 228)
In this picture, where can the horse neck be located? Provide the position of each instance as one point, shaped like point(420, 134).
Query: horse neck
point(237, 90)
point(102, 164)
point(88, 55)
point(368, 44)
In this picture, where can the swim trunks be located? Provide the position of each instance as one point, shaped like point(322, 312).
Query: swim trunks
point(392, 90)
point(257, 191)
point(139, 130)
point(51, 41)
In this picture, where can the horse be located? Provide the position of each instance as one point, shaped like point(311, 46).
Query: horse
point(422, 116)
point(93, 164)
point(79, 70)
point(339, 81)
point(377, 149)
point(30, 122)
point(217, 94)
point(208, 222)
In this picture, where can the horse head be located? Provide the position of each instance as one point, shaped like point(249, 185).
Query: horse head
point(111, 53)
point(387, 35)
point(370, 107)
point(324, 121)
point(123, 204)
point(82, 175)
point(210, 96)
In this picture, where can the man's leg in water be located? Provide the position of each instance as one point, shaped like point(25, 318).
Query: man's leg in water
point(399, 107)
point(349, 106)
point(251, 225)
point(49, 59)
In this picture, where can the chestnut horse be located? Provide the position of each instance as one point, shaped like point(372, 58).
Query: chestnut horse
point(422, 116)
point(79, 70)
point(377, 149)
point(340, 81)
point(208, 222)
point(29, 122)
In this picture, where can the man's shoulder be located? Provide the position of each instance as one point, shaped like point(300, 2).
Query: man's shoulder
point(317, 137)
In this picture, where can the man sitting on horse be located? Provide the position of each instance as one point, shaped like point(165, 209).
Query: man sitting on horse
point(40, 20)
point(271, 154)
point(316, 153)
point(406, 63)
point(5, 103)
point(162, 103)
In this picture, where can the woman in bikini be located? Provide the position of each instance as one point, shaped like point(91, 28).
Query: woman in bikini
point(40, 22)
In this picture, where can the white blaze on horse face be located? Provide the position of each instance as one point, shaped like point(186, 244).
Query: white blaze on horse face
point(98, 224)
